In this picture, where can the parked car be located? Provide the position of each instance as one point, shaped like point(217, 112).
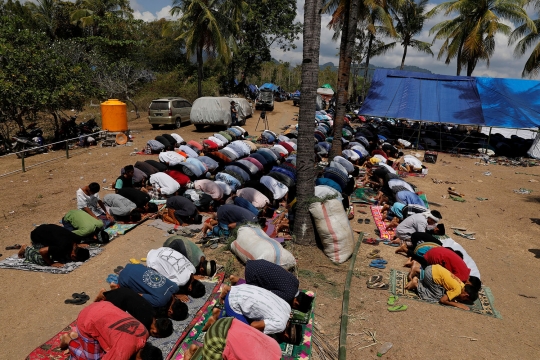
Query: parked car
point(215, 111)
point(169, 111)
point(296, 98)
point(265, 100)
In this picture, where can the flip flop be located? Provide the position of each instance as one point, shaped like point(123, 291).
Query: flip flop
point(374, 279)
point(378, 266)
point(378, 286)
point(77, 301)
point(360, 221)
point(398, 308)
point(112, 278)
point(118, 269)
point(367, 221)
point(390, 244)
point(82, 296)
point(370, 241)
point(13, 247)
point(374, 256)
point(392, 299)
point(379, 261)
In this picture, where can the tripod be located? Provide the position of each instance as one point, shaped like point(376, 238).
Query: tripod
point(264, 117)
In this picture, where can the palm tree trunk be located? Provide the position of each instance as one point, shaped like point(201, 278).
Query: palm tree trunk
point(371, 37)
point(199, 70)
point(303, 228)
point(404, 56)
point(348, 34)
point(459, 55)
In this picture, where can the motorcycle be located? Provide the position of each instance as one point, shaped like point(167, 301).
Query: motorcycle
point(30, 138)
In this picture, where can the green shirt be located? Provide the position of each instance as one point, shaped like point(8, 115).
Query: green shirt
point(84, 223)
point(185, 247)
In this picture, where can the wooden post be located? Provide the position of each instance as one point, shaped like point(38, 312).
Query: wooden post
point(67, 150)
point(342, 353)
point(489, 137)
point(22, 161)
point(419, 131)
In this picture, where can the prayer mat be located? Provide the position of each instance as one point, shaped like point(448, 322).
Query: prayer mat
point(122, 228)
point(13, 262)
point(50, 350)
point(483, 305)
point(364, 196)
point(160, 224)
point(169, 345)
point(289, 352)
point(404, 174)
point(381, 225)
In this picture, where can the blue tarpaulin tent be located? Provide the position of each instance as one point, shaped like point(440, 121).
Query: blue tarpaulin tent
point(270, 86)
point(510, 103)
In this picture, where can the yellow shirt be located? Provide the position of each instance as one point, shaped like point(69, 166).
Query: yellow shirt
point(447, 280)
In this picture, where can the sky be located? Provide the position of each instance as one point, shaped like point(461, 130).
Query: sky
point(502, 64)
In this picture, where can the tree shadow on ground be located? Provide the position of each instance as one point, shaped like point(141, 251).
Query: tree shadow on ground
point(535, 220)
point(536, 253)
point(532, 199)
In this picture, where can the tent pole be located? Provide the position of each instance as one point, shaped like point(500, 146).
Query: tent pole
point(489, 136)
point(419, 131)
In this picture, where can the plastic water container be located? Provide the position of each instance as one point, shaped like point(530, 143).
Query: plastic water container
point(114, 115)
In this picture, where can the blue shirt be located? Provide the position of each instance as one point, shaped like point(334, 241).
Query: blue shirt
point(408, 197)
point(246, 205)
point(153, 286)
point(272, 277)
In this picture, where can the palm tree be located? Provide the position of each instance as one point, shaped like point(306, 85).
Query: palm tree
point(409, 17)
point(209, 30)
point(530, 39)
point(347, 11)
point(90, 11)
point(46, 13)
point(470, 36)
point(303, 228)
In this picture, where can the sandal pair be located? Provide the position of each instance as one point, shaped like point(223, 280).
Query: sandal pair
point(77, 299)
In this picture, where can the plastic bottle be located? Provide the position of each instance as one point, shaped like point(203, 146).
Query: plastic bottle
point(384, 349)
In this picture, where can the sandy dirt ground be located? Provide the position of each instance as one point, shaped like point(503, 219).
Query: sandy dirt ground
point(506, 249)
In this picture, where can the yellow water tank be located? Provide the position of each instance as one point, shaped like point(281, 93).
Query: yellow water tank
point(114, 116)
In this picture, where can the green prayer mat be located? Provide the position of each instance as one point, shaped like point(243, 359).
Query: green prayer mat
point(364, 196)
point(483, 305)
point(289, 351)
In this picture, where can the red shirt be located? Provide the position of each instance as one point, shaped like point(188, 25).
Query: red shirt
point(180, 177)
point(449, 260)
point(118, 333)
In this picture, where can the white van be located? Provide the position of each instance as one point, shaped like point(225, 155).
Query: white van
point(217, 111)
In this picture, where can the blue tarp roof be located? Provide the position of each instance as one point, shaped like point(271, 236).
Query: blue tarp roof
point(510, 103)
point(270, 86)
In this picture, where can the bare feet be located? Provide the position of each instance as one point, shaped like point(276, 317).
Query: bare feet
point(408, 263)
point(20, 254)
point(394, 223)
point(234, 279)
point(114, 286)
point(415, 269)
point(402, 249)
point(412, 285)
point(190, 352)
point(224, 291)
point(66, 338)
point(100, 296)
point(182, 298)
point(212, 319)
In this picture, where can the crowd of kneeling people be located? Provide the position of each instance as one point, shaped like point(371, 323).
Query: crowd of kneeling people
point(241, 183)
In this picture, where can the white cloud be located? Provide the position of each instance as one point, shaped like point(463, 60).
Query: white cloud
point(136, 6)
point(148, 16)
point(502, 64)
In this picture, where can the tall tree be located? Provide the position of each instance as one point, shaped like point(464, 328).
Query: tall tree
point(349, 21)
point(379, 22)
point(207, 30)
point(470, 36)
point(410, 17)
point(46, 13)
point(531, 38)
point(305, 164)
point(90, 12)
